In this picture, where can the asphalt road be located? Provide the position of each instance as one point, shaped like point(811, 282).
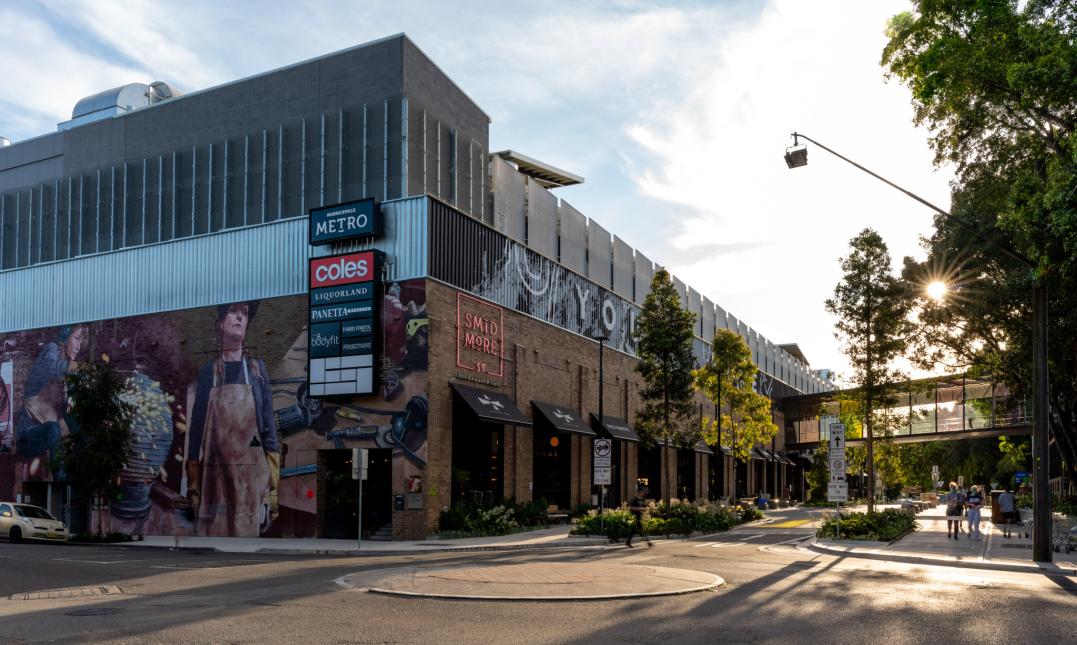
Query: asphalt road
point(774, 593)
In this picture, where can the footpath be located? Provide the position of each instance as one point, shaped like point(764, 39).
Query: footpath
point(930, 545)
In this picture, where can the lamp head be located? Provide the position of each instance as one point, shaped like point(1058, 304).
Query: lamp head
point(796, 156)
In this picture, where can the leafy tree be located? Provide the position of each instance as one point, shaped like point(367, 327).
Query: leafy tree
point(818, 475)
point(664, 345)
point(100, 443)
point(993, 80)
point(745, 418)
point(872, 308)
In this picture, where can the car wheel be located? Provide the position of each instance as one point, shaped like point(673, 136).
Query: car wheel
point(15, 535)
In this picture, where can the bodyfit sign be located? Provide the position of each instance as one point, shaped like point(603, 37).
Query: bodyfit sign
point(342, 330)
point(345, 221)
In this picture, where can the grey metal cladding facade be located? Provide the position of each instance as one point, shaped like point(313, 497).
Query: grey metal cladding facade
point(510, 199)
point(622, 268)
point(542, 218)
point(708, 320)
point(643, 275)
point(682, 290)
point(573, 238)
point(694, 305)
point(599, 255)
point(262, 261)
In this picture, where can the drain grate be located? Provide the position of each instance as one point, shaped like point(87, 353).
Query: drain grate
point(218, 564)
point(70, 592)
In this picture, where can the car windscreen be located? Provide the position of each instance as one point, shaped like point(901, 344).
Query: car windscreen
point(34, 512)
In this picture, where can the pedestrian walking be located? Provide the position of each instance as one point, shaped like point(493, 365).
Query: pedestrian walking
point(974, 502)
point(1007, 506)
point(955, 504)
point(638, 507)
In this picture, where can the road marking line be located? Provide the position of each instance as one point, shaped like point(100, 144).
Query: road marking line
point(93, 561)
point(799, 539)
point(752, 537)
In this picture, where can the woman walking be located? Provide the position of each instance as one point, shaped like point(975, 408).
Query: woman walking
point(974, 502)
point(955, 504)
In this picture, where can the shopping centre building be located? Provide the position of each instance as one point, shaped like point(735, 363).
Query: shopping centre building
point(324, 257)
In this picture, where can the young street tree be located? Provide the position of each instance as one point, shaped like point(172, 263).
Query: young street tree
point(872, 308)
point(993, 80)
point(745, 417)
point(664, 344)
point(99, 444)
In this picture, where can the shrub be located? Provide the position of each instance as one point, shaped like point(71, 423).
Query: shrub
point(475, 521)
point(882, 526)
point(749, 514)
point(534, 513)
point(614, 523)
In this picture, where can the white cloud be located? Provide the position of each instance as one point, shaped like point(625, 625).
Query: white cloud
point(810, 66)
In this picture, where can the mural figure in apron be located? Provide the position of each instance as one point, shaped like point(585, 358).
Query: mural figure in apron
point(233, 455)
point(42, 420)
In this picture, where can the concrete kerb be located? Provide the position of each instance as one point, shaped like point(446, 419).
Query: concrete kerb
point(1036, 567)
point(703, 582)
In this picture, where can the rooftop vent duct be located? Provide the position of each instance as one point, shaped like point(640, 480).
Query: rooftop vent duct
point(116, 101)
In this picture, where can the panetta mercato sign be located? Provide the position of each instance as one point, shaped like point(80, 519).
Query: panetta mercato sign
point(346, 221)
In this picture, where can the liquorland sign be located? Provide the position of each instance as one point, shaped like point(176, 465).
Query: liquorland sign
point(343, 323)
point(347, 221)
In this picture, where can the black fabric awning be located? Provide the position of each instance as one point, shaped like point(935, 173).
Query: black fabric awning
point(757, 453)
point(785, 460)
point(703, 448)
point(768, 454)
point(616, 428)
point(490, 406)
point(563, 418)
point(726, 451)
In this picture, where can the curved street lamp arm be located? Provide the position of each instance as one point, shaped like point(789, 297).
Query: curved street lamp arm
point(1004, 248)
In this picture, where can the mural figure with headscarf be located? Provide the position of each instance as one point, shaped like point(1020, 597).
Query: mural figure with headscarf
point(42, 420)
point(233, 456)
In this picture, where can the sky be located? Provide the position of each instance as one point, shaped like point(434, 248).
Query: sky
point(676, 113)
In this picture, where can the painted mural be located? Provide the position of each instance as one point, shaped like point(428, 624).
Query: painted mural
point(227, 441)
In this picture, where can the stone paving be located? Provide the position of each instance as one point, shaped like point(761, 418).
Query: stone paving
point(534, 581)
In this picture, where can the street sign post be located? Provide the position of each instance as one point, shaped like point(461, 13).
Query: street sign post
point(360, 465)
point(838, 490)
point(602, 471)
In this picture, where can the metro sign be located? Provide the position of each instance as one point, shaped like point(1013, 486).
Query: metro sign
point(351, 268)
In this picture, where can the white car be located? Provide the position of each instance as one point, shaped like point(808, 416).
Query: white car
point(20, 522)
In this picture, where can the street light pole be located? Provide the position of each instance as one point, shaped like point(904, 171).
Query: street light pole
point(1041, 498)
point(601, 418)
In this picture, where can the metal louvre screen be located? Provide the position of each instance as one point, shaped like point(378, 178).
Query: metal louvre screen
point(473, 257)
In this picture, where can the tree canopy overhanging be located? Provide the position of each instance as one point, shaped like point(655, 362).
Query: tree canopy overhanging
point(996, 83)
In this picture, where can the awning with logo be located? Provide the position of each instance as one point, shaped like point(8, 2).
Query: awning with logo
point(491, 406)
point(564, 418)
point(616, 428)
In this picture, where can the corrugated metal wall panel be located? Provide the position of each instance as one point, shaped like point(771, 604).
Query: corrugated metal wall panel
point(682, 290)
point(573, 238)
point(622, 268)
point(256, 262)
point(599, 255)
point(542, 219)
point(404, 240)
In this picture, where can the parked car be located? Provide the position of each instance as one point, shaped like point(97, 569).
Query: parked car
point(20, 522)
